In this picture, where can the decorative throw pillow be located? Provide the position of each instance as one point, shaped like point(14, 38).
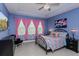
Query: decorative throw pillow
point(55, 34)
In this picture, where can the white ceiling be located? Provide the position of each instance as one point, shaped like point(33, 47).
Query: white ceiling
point(31, 9)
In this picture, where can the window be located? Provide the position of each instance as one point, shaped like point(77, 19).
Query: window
point(40, 28)
point(31, 28)
point(3, 22)
point(21, 28)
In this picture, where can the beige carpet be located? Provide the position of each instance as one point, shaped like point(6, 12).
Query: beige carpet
point(31, 49)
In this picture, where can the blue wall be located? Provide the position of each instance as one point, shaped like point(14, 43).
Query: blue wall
point(5, 12)
point(46, 26)
point(72, 20)
point(51, 22)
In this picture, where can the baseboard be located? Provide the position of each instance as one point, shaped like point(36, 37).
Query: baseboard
point(28, 41)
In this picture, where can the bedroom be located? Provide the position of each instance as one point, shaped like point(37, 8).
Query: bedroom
point(33, 21)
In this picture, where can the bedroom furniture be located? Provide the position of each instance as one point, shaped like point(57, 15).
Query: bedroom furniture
point(18, 42)
point(72, 44)
point(13, 37)
point(42, 43)
point(73, 32)
point(6, 46)
point(51, 43)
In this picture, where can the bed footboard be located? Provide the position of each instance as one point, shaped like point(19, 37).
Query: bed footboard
point(41, 41)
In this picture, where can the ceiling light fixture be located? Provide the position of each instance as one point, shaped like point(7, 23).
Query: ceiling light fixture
point(46, 6)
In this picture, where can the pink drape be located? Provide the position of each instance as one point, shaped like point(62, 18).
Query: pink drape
point(42, 22)
point(36, 22)
point(17, 25)
point(26, 22)
point(27, 25)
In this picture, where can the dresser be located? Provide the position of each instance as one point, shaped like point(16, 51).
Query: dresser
point(7, 46)
point(72, 44)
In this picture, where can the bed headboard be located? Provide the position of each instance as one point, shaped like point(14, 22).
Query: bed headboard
point(60, 30)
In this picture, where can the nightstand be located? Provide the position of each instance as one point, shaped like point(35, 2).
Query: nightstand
point(72, 44)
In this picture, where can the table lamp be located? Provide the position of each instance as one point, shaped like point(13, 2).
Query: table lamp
point(73, 31)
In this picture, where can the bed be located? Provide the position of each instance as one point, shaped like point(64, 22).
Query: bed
point(52, 43)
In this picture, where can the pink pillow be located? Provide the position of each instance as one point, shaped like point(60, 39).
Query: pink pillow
point(55, 34)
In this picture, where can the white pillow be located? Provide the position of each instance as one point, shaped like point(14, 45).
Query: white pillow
point(62, 34)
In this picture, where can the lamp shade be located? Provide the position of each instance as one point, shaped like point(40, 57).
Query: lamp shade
point(74, 30)
point(50, 30)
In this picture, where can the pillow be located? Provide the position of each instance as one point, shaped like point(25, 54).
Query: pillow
point(55, 34)
point(62, 34)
